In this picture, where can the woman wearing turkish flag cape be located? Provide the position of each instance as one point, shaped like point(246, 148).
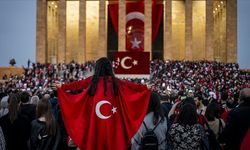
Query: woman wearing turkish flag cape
point(105, 112)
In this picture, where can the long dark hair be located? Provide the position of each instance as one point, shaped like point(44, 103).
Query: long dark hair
point(43, 110)
point(212, 111)
point(155, 106)
point(13, 107)
point(103, 69)
point(187, 115)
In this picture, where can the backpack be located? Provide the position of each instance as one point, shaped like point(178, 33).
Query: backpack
point(149, 139)
point(213, 142)
point(245, 144)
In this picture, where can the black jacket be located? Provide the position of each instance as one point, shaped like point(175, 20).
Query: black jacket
point(28, 110)
point(40, 140)
point(236, 127)
point(17, 133)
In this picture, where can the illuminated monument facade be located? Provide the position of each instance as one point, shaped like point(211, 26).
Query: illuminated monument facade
point(83, 30)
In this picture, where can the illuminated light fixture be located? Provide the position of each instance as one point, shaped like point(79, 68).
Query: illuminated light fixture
point(219, 6)
point(52, 3)
point(55, 6)
point(214, 12)
point(215, 8)
point(221, 2)
point(130, 28)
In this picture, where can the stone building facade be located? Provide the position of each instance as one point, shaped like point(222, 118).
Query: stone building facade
point(78, 30)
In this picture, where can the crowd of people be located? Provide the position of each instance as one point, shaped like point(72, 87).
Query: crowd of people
point(187, 99)
point(207, 79)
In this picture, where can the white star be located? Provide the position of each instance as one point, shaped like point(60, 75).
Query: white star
point(135, 62)
point(135, 43)
point(114, 109)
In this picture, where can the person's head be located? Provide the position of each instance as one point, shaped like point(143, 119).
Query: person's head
point(103, 68)
point(190, 93)
point(212, 111)
point(13, 107)
point(4, 102)
point(46, 96)
point(198, 101)
point(230, 104)
point(4, 106)
point(2, 94)
point(43, 110)
point(53, 94)
point(245, 95)
point(155, 106)
point(205, 102)
point(34, 100)
point(24, 97)
point(188, 100)
point(187, 115)
point(224, 95)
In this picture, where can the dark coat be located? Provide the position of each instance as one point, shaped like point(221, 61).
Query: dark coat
point(28, 110)
point(40, 140)
point(17, 133)
point(236, 127)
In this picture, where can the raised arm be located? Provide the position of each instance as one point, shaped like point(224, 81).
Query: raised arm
point(76, 85)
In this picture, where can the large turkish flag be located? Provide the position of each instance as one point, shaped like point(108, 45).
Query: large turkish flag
point(135, 20)
point(132, 63)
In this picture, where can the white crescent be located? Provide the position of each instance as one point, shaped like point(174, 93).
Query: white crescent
point(135, 15)
point(123, 62)
point(97, 109)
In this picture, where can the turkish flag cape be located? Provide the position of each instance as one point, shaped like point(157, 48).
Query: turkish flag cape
point(103, 122)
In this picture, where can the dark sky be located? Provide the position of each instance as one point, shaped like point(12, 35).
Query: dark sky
point(18, 32)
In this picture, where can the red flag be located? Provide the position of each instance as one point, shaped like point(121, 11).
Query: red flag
point(103, 122)
point(135, 18)
point(135, 26)
point(132, 63)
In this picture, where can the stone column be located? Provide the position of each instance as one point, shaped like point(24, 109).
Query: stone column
point(82, 32)
point(209, 51)
point(148, 27)
point(168, 30)
point(188, 29)
point(102, 50)
point(62, 32)
point(41, 29)
point(231, 30)
point(122, 25)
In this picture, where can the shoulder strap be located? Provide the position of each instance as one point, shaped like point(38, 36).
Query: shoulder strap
point(206, 123)
point(145, 125)
point(157, 124)
point(154, 127)
point(220, 126)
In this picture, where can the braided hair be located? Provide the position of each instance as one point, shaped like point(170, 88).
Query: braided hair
point(103, 69)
